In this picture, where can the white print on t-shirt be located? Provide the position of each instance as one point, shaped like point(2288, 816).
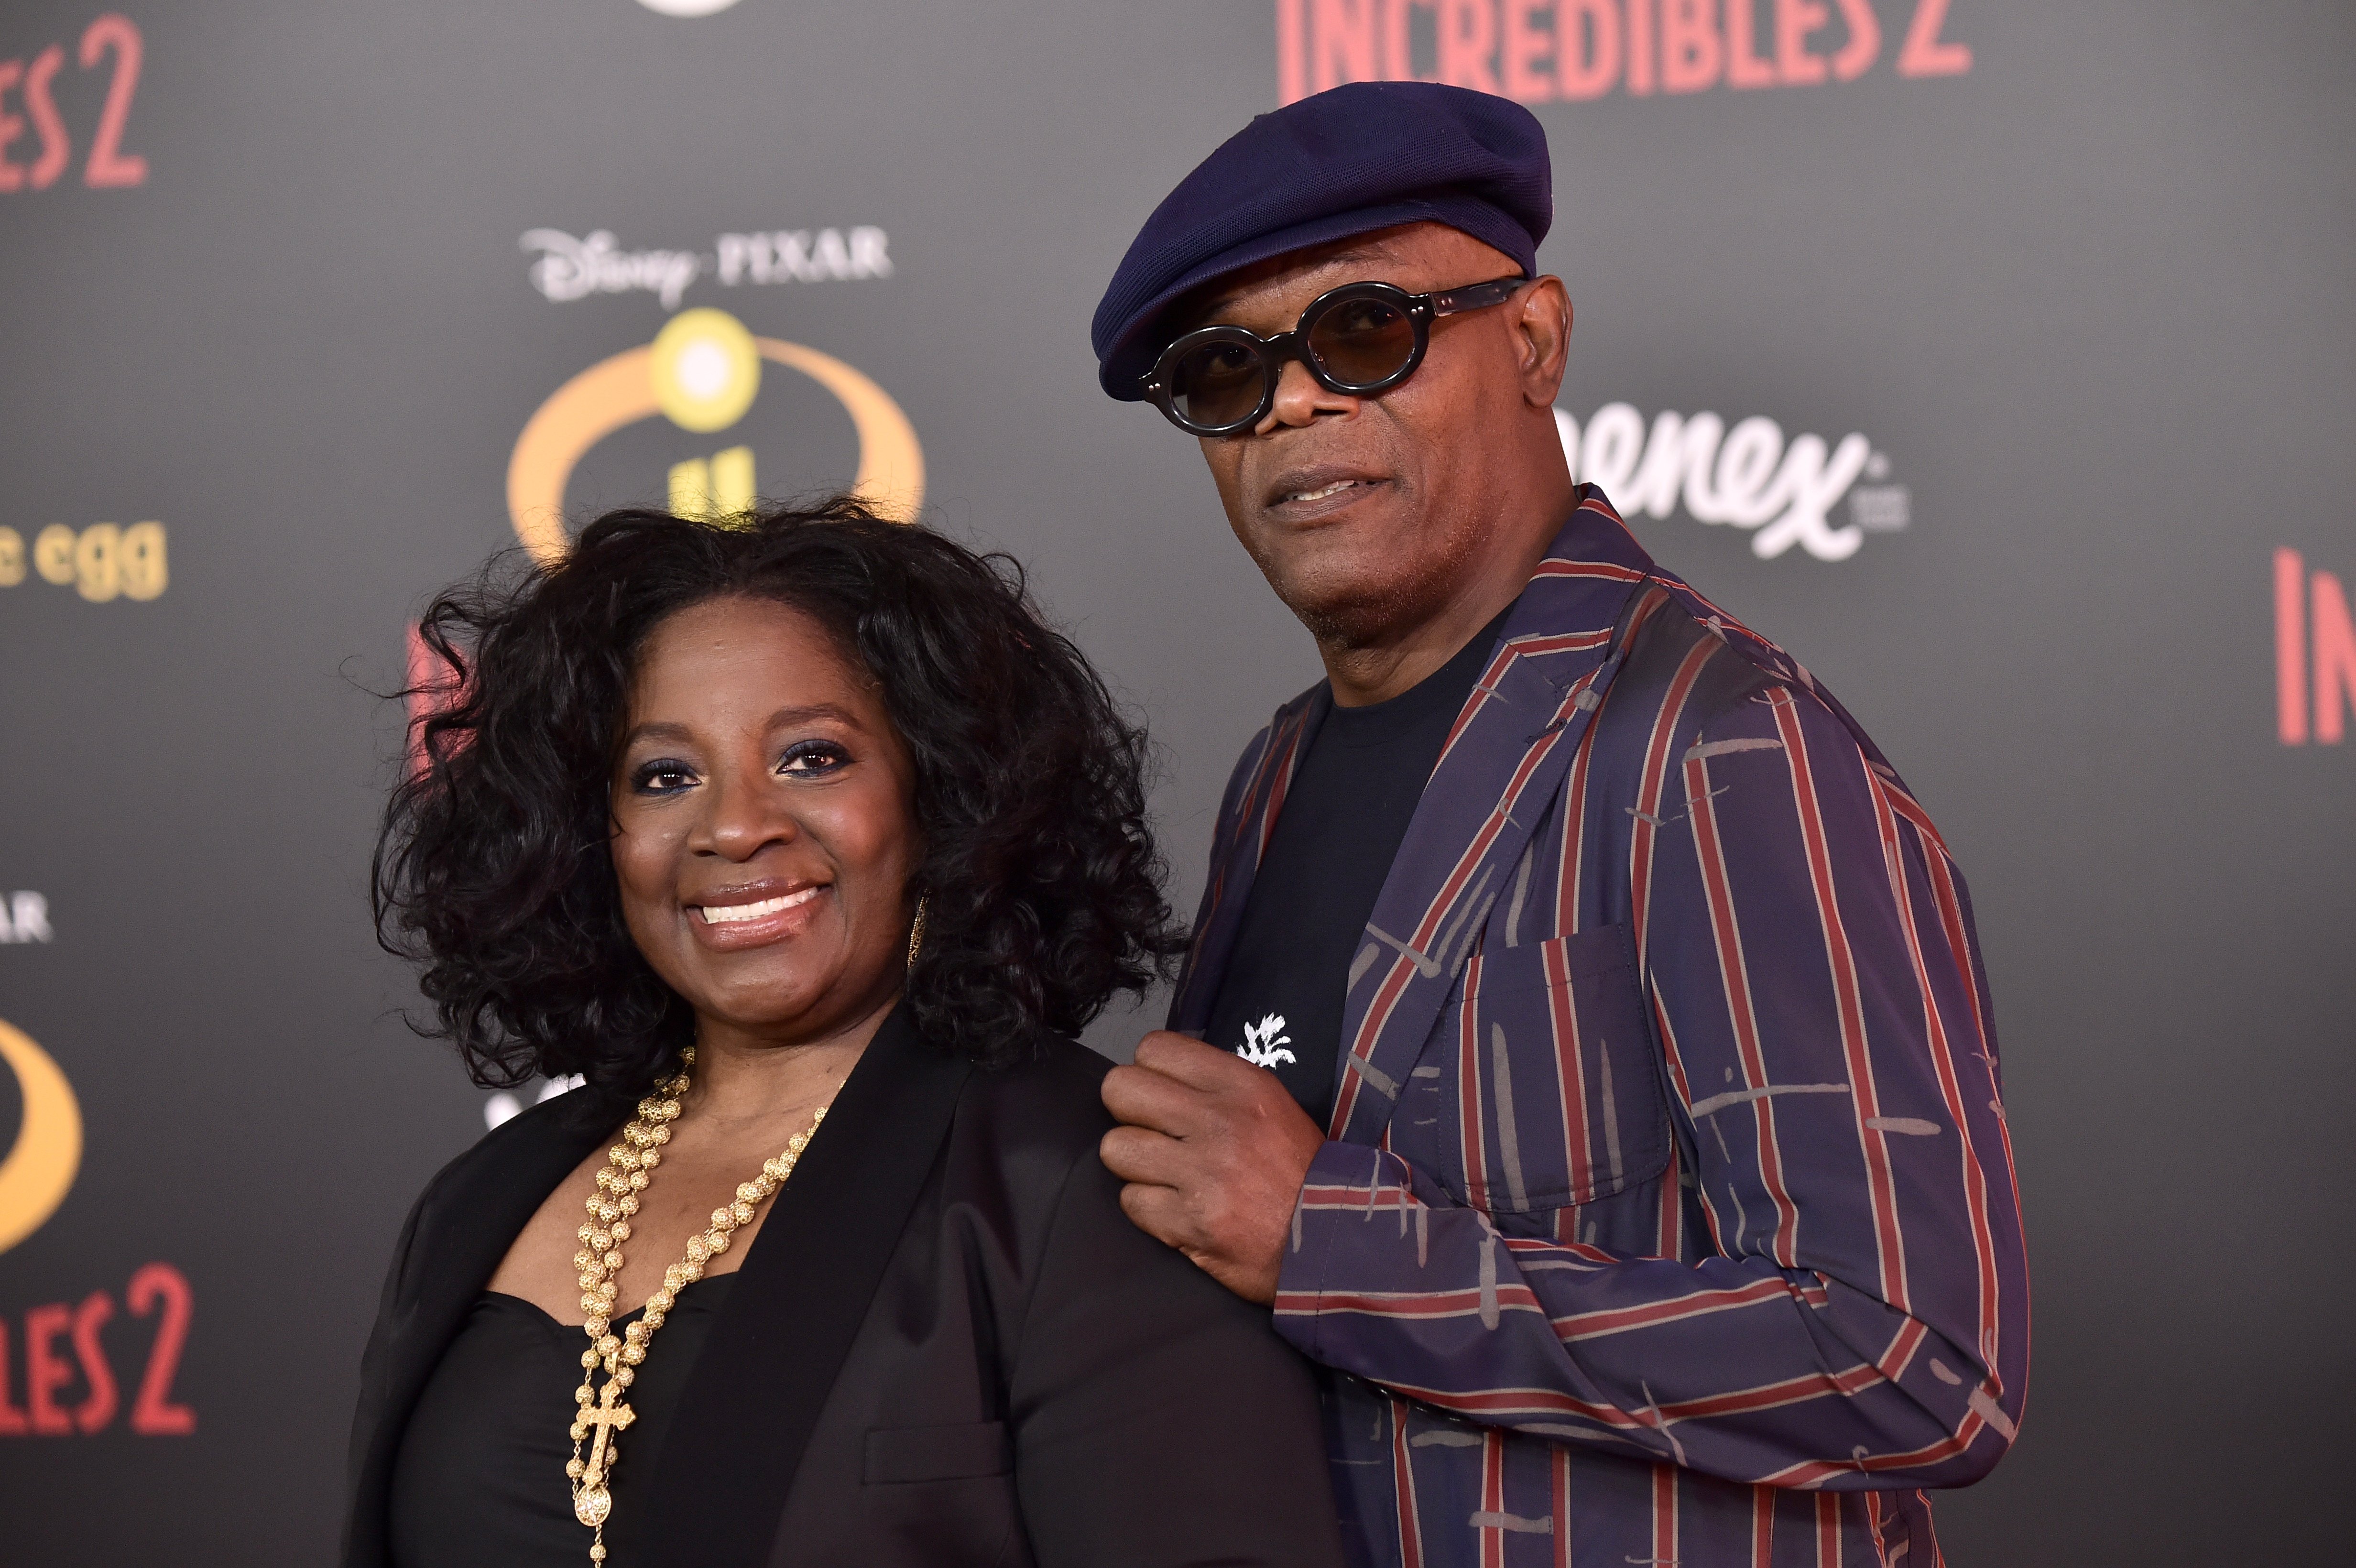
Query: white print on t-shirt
point(1261, 1040)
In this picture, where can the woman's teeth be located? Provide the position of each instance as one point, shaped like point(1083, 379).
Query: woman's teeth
point(730, 915)
point(1336, 488)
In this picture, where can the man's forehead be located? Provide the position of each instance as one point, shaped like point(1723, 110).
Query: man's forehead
point(1359, 257)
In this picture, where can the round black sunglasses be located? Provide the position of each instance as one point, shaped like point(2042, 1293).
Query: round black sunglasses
point(1359, 340)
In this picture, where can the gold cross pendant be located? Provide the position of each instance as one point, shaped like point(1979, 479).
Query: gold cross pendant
point(591, 1501)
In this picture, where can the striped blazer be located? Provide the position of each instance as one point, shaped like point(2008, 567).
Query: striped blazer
point(1667, 1214)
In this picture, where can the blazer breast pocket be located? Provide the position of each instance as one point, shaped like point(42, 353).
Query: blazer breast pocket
point(970, 1451)
point(1552, 1077)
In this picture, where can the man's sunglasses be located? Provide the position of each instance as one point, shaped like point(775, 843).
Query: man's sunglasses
point(1359, 340)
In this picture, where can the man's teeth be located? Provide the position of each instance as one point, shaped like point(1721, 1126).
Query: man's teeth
point(729, 914)
point(1336, 487)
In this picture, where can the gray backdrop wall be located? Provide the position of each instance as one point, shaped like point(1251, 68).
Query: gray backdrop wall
point(2047, 309)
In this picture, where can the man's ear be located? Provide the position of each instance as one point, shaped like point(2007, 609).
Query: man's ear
point(1541, 324)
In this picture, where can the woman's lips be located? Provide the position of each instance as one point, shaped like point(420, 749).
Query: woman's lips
point(752, 923)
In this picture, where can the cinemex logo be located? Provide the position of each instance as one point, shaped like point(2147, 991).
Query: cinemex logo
point(1542, 51)
point(2315, 654)
point(570, 269)
point(1746, 477)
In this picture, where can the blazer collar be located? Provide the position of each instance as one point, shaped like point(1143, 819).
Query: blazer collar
point(1234, 861)
point(750, 1406)
point(1508, 751)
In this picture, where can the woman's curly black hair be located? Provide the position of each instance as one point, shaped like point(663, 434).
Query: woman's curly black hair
point(493, 868)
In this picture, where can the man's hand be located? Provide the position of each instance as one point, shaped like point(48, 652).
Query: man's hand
point(1214, 1151)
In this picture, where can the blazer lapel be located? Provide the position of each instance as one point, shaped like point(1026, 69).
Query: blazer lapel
point(749, 1407)
point(1506, 754)
point(461, 1232)
point(1241, 839)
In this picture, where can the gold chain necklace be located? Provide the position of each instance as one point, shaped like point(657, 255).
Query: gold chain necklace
point(630, 1166)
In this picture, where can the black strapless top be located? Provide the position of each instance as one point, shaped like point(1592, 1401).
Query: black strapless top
point(479, 1481)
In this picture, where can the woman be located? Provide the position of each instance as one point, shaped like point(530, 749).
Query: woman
point(809, 846)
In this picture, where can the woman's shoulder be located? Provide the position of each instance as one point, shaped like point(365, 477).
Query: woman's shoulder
point(1045, 1107)
point(1054, 1078)
point(559, 1131)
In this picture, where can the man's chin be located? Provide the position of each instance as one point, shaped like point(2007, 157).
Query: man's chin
point(1351, 608)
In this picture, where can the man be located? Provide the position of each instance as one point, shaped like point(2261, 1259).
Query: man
point(1589, 1057)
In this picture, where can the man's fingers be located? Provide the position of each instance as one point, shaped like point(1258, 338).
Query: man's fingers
point(1137, 1154)
point(1194, 1065)
point(1145, 1098)
point(1157, 1211)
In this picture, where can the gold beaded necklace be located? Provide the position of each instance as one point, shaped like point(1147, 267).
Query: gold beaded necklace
point(630, 1166)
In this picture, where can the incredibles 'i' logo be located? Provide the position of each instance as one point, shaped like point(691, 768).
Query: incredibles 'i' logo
point(39, 1169)
point(702, 372)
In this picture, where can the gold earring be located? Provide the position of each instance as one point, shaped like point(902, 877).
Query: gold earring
point(917, 932)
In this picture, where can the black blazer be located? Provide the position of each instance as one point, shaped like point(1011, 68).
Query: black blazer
point(948, 1346)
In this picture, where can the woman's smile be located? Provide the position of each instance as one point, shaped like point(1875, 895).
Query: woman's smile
point(729, 919)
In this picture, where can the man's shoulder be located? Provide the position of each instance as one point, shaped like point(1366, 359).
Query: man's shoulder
point(1694, 666)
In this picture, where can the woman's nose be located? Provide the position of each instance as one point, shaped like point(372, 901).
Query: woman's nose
point(742, 817)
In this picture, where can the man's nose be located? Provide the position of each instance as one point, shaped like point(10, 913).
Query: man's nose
point(1301, 398)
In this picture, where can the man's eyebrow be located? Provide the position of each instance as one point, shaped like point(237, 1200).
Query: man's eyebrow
point(1354, 255)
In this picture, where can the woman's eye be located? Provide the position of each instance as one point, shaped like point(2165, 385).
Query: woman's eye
point(811, 759)
point(660, 777)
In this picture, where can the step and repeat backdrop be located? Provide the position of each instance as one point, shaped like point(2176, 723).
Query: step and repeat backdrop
point(1991, 355)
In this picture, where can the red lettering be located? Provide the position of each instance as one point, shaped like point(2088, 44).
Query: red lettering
point(1864, 40)
point(1744, 68)
point(153, 1413)
point(109, 166)
point(1586, 47)
point(44, 1373)
point(2335, 658)
point(12, 1420)
point(12, 175)
point(1468, 37)
point(1794, 20)
point(1640, 49)
point(1291, 55)
point(55, 147)
point(1924, 53)
point(88, 1318)
point(1691, 51)
point(2291, 647)
point(1523, 58)
point(1391, 25)
point(1343, 36)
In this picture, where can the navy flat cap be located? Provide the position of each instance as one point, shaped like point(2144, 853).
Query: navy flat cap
point(1348, 161)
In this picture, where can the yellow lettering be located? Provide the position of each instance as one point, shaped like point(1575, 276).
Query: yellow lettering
point(53, 554)
point(98, 574)
point(145, 573)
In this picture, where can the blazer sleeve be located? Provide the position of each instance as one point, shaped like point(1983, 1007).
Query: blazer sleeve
point(1158, 1419)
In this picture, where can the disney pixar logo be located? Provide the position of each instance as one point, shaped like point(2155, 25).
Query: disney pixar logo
point(1542, 51)
point(570, 269)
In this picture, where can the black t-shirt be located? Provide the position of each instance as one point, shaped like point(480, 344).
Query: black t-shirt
point(1279, 1003)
